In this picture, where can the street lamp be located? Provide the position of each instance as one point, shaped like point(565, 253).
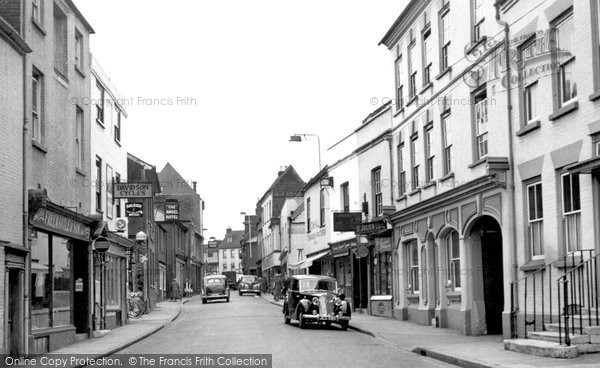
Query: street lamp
point(141, 238)
point(298, 138)
point(249, 231)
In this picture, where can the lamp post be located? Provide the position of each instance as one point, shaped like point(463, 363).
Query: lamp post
point(249, 232)
point(141, 239)
point(298, 138)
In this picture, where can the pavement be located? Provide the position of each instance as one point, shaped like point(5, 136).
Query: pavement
point(120, 338)
point(452, 347)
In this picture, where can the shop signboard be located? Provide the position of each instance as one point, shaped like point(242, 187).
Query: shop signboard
point(134, 209)
point(171, 211)
point(346, 221)
point(59, 224)
point(371, 227)
point(132, 190)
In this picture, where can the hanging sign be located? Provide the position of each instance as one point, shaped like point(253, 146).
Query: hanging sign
point(134, 209)
point(132, 190)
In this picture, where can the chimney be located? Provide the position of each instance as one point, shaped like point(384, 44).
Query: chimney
point(195, 185)
point(228, 230)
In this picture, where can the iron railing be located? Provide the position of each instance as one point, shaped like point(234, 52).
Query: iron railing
point(532, 302)
point(579, 300)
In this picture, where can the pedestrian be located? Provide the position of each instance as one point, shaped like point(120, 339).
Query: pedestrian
point(277, 286)
point(175, 291)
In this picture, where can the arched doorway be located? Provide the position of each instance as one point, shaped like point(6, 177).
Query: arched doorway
point(488, 278)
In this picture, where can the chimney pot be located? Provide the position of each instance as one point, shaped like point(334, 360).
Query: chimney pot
point(195, 185)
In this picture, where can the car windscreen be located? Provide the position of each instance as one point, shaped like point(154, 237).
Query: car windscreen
point(215, 281)
point(248, 279)
point(325, 285)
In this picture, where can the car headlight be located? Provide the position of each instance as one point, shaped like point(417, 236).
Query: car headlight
point(338, 302)
point(315, 300)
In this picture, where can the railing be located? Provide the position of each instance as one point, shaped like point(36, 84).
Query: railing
point(532, 302)
point(579, 300)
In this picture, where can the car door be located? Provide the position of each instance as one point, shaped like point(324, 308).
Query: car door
point(293, 297)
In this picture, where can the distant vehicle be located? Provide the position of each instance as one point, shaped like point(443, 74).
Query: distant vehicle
point(215, 287)
point(249, 284)
point(231, 279)
point(313, 299)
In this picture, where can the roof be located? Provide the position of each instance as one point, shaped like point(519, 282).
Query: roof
point(400, 22)
point(236, 239)
point(316, 179)
point(173, 182)
point(80, 16)
point(289, 171)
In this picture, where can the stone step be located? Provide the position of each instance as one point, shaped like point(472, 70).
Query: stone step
point(585, 322)
point(551, 336)
point(541, 348)
point(81, 337)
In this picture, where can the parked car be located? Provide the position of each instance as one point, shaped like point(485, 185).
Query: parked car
point(215, 287)
point(249, 284)
point(313, 299)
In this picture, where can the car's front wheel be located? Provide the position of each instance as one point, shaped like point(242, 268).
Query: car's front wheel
point(301, 320)
point(203, 301)
point(239, 292)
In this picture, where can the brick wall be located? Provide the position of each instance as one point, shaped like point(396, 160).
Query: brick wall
point(10, 10)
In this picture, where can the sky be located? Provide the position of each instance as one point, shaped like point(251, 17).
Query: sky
point(216, 88)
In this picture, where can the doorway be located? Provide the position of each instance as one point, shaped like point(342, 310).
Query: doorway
point(15, 311)
point(360, 282)
point(486, 242)
point(81, 280)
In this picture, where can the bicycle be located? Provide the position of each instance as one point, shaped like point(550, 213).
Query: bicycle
point(136, 305)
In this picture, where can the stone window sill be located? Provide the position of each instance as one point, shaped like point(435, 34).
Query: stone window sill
point(528, 128)
point(426, 87)
point(401, 198)
point(398, 112)
point(430, 184)
point(39, 146)
point(450, 175)
point(533, 265)
point(475, 44)
point(416, 191)
point(566, 109)
point(477, 163)
point(454, 296)
point(443, 72)
point(411, 101)
point(80, 171)
point(39, 27)
point(595, 96)
point(79, 71)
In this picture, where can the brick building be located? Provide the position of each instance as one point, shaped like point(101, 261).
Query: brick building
point(250, 253)
point(13, 241)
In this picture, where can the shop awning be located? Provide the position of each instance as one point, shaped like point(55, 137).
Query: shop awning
point(309, 261)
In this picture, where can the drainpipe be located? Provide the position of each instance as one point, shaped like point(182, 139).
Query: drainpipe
point(26, 145)
point(390, 140)
point(511, 176)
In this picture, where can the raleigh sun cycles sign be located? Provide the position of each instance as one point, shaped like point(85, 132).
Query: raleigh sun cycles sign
point(132, 190)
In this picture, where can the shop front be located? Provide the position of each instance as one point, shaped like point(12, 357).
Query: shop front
point(61, 266)
point(13, 258)
point(270, 267)
point(342, 265)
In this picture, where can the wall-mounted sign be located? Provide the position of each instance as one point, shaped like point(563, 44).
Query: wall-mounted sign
point(346, 221)
point(327, 182)
point(343, 247)
point(383, 244)
point(132, 190)
point(371, 227)
point(121, 224)
point(171, 211)
point(134, 209)
point(62, 225)
point(79, 285)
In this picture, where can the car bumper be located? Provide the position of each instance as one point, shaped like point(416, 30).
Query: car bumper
point(320, 318)
point(249, 291)
point(215, 296)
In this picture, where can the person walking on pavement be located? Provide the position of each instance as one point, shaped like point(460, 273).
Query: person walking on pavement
point(277, 286)
point(175, 291)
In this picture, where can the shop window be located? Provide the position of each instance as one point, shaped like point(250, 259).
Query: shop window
point(41, 284)
point(412, 257)
point(453, 258)
point(113, 281)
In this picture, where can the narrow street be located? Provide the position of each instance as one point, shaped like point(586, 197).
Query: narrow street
point(251, 325)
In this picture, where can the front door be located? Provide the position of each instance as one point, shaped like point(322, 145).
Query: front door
point(15, 311)
point(81, 280)
point(360, 282)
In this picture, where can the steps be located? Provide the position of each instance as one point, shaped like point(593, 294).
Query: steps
point(546, 343)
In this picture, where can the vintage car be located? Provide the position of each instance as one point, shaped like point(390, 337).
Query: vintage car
point(215, 287)
point(249, 284)
point(313, 299)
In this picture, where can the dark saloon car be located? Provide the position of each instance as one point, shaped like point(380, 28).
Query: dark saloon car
point(249, 284)
point(313, 299)
point(215, 287)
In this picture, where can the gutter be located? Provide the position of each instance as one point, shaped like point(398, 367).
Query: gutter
point(511, 164)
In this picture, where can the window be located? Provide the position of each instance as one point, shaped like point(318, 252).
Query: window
point(563, 55)
point(60, 42)
point(50, 281)
point(427, 57)
point(596, 145)
point(308, 219)
point(345, 189)
point(322, 208)
point(412, 257)
point(414, 160)
point(79, 126)
point(571, 212)
point(109, 192)
point(118, 127)
point(535, 220)
point(79, 50)
point(100, 103)
point(429, 156)
point(118, 201)
point(401, 171)
point(530, 85)
point(113, 276)
point(444, 25)
point(377, 193)
point(232, 266)
point(453, 257)
point(381, 275)
point(399, 84)
point(412, 72)
point(37, 91)
point(224, 266)
point(478, 20)
point(98, 184)
point(232, 253)
point(481, 127)
point(447, 142)
point(37, 11)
